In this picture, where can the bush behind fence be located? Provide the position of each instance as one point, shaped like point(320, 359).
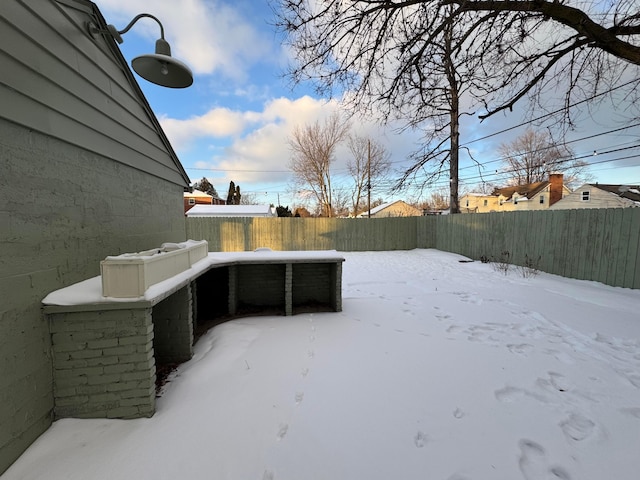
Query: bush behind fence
point(590, 244)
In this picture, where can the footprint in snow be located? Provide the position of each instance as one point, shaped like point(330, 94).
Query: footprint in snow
point(299, 397)
point(282, 432)
point(577, 427)
point(420, 439)
point(268, 475)
point(509, 394)
point(458, 413)
point(634, 379)
point(533, 463)
point(520, 348)
point(633, 411)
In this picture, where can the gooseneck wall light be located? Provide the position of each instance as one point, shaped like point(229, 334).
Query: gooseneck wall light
point(160, 67)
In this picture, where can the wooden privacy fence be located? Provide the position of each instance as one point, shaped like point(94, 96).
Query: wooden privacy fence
point(294, 233)
point(590, 244)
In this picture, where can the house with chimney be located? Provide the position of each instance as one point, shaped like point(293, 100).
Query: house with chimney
point(531, 196)
point(595, 195)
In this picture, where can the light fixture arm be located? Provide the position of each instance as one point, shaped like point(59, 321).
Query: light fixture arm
point(138, 17)
point(117, 34)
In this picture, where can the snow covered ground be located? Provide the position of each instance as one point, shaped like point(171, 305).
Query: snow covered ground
point(435, 369)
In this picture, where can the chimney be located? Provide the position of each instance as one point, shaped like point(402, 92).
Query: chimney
point(555, 187)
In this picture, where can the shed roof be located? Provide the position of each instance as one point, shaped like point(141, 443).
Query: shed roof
point(231, 211)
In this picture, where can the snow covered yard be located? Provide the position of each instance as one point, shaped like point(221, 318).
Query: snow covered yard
point(435, 369)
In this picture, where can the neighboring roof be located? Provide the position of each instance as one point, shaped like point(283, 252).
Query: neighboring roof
point(529, 190)
point(630, 192)
point(197, 193)
point(384, 206)
point(379, 208)
point(231, 211)
point(477, 194)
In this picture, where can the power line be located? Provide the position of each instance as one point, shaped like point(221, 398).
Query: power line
point(551, 113)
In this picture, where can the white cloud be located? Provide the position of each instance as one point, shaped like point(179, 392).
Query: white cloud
point(208, 35)
point(262, 154)
point(258, 151)
point(216, 123)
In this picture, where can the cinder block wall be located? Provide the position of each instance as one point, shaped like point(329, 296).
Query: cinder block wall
point(173, 325)
point(62, 210)
point(103, 364)
point(261, 285)
point(312, 284)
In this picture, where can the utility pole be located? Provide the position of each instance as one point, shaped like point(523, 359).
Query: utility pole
point(369, 178)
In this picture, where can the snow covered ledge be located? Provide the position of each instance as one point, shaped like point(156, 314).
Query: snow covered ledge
point(105, 348)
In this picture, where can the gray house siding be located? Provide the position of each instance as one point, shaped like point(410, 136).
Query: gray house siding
point(85, 172)
point(59, 80)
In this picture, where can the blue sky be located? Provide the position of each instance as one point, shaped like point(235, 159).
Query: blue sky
point(233, 123)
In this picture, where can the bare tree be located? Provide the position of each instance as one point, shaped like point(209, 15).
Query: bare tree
point(369, 46)
point(438, 200)
point(368, 165)
point(340, 202)
point(252, 198)
point(414, 60)
point(313, 149)
point(531, 157)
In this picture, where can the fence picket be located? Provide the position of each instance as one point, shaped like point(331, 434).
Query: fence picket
point(591, 244)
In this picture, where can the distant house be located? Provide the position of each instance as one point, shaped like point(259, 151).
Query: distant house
point(393, 209)
point(532, 196)
point(594, 195)
point(86, 171)
point(232, 211)
point(196, 198)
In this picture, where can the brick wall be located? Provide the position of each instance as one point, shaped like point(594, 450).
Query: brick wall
point(173, 325)
point(311, 283)
point(103, 364)
point(62, 210)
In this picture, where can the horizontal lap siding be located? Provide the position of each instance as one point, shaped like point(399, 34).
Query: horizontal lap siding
point(60, 81)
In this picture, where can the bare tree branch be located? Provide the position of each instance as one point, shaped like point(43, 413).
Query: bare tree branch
point(313, 149)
